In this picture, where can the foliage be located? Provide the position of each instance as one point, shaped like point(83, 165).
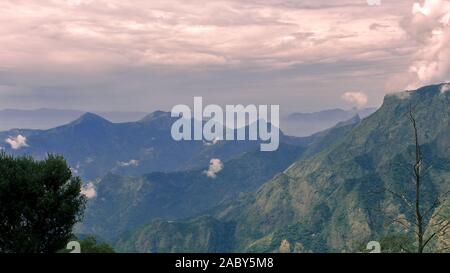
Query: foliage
point(40, 202)
point(91, 245)
point(397, 243)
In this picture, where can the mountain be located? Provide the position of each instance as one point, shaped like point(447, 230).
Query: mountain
point(125, 203)
point(94, 146)
point(183, 194)
point(241, 179)
point(305, 124)
point(50, 118)
point(328, 202)
point(199, 235)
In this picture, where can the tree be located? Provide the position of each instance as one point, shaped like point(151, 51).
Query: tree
point(422, 219)
point(396, 243)
point(91, 245)
point(40, 202)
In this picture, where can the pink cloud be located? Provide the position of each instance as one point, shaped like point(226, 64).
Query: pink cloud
point(358, 98)
point(270, 34)
point(215, 166)
point(17, 142)
point(428, 25)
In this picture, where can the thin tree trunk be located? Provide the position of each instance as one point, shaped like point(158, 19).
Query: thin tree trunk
point(417, 173)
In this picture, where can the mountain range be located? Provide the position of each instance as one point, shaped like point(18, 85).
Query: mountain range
point(140, 174)
point(94, 146)
point(45, 118)
point(318, 193)
point(305, 124)
point(295, 124)
point(330, 201)
point(126, 203)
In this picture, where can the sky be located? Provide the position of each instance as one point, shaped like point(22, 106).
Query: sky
point(98, 55)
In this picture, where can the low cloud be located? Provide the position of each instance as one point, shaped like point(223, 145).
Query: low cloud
point(213, 142)
point(17, 142)
point(401, 95)
point(358, 98)
point(132, 162)
point(89, 191)
point(445, 88)
point(215, 166)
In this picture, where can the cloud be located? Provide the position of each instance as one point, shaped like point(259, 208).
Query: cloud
point(374, 2)
point(132, 162)
point(17, 142)
point(428, 25)
point(402, 95)
point(128, 53)
point(215, 166)
point(213, 142)
point(175, 32)
point(445, 88)
point(89, 190)
point(358, 98)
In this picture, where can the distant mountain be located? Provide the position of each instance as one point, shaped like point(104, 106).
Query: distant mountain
point(295, 124)
point(50, 118)
point(305, 124)
point(95, 146)
point(328, 201)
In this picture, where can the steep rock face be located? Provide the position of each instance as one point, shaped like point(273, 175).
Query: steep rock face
point(203, 234)
point(329, 203)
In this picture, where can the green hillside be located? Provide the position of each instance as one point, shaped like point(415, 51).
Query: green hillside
point(125, 203)
point(329, 202)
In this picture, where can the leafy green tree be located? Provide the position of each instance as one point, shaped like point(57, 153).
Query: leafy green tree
point(40, 202)
point(91, 245)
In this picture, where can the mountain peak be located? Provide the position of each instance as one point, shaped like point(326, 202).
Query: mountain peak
point(156, 115)
point(90, 118)
point(426, 92)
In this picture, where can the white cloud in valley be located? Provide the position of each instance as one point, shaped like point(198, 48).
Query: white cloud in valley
point(213, 142)
point(89, 190)
point(215, 166)
point(17, 142)
point(132, 162)
point(445, 88)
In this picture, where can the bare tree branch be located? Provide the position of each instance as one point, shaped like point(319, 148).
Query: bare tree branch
point(399, 221)
point(438, 202)
point(401, 197)
point(443, 228)
point(442, 249)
